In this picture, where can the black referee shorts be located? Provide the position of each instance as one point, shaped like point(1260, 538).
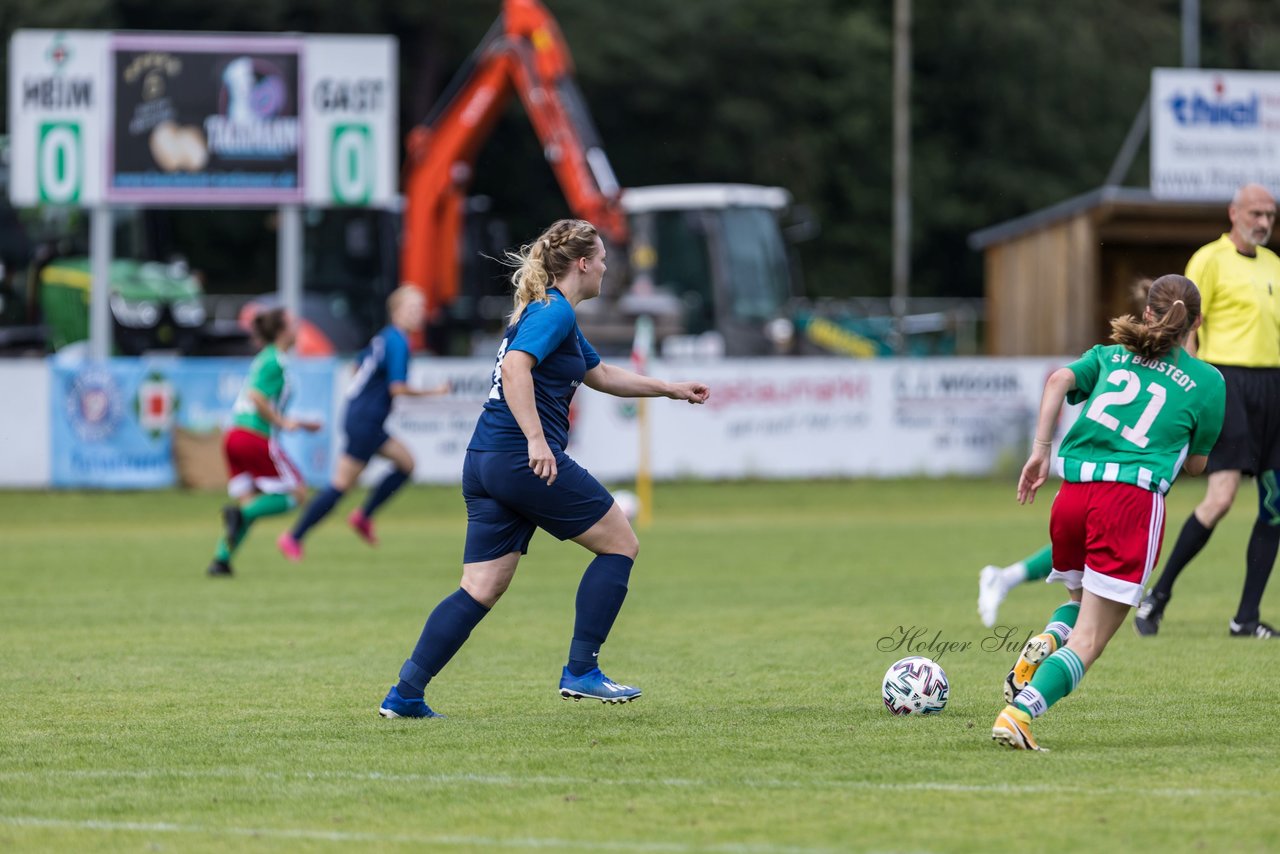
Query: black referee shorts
point(1250, 439)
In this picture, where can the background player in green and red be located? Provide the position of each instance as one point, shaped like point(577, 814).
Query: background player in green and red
point(1150, 410)
point(263, 480)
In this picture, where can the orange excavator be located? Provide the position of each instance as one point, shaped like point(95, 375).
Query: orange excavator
point(523, 53)
point(707, 263)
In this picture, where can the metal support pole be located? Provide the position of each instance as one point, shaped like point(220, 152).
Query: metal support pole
point(901, 166)
point(100, 251)
point(1190, 33)
point(289, 259)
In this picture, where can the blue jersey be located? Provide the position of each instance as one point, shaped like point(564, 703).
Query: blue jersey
point(548, 332)
point(383, 362)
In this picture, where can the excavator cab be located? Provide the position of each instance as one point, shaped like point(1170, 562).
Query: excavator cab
point(706, 261)
point(716, 254)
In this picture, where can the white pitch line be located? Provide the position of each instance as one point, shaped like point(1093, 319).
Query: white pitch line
point(443, 839)
point(507, 780)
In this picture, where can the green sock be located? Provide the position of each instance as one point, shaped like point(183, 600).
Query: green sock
point(1057, 677)
point(224, 551)
point(264, 505)
point(268, 504)
point(1062, 621)
point(1040, 564)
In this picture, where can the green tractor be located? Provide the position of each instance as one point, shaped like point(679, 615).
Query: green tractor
point(44, 301)
point(44, 286)
point(153, 306)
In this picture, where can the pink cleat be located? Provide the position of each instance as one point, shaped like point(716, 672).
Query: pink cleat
point(289, 547)
point(363, 526)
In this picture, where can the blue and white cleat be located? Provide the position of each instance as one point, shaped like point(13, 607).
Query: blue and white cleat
point(594, 685)
point(395, 706)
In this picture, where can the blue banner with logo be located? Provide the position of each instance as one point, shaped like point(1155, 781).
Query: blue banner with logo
point(112, 422)
point(209, 388)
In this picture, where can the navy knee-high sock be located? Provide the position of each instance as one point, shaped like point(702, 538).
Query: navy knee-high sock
point(319, 507)
point(600, 595)
point(384, 490)
point(447, 628)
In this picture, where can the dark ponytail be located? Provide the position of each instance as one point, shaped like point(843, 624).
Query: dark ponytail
point(268, 324)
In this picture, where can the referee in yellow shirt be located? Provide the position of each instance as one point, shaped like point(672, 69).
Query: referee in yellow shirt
point(1239, 281)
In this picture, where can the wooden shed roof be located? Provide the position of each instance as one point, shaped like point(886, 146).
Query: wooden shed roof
point(1121, 213)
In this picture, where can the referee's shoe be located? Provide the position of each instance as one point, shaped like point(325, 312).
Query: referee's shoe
point(1146, 620)
point(1252, 629)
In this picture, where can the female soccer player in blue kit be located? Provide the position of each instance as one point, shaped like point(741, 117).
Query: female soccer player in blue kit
point(517, 477)
point(381, 377)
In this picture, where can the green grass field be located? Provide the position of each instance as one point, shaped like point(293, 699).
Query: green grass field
point(145, 707)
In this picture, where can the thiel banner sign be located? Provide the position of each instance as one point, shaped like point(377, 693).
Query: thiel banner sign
point(1212, 131)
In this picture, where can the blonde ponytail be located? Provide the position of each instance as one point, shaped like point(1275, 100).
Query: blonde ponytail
point(538, 264)
point(530, 277)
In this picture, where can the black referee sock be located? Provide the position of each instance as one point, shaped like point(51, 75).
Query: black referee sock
point(1259, 558)
point(1190, 541)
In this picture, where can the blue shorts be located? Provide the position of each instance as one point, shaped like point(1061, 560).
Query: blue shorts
point(506, 502)
point(364, 439)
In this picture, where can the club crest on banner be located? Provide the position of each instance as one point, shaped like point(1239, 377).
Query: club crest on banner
point(93, 405)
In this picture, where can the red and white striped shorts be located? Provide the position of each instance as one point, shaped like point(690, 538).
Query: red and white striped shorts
point(255, 462)
point(1106, 538)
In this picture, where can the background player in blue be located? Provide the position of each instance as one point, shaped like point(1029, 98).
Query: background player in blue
point(517, 477)
point(382, 376)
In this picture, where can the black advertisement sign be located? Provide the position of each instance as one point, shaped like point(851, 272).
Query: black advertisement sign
point(206, 120)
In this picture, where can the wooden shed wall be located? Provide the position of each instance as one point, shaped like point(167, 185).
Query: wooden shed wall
point(1041, 291)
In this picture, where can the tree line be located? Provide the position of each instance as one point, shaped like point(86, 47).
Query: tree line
point(1014, 105)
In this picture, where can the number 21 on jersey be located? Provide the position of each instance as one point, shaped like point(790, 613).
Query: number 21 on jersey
point(1131, 385)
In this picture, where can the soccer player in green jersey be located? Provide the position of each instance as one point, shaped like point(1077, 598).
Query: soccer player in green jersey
point(263, 481)
point(996, 582)
point(1150, 410)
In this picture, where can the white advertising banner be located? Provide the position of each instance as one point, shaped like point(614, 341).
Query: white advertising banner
point(1212, 131)
point(58, 104)
point(801, 418)
point(768, 418)
point(435, 429)
point(351, 110)
point(25, 445)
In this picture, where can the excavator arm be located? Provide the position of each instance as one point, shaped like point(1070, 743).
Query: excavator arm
point(523, 53)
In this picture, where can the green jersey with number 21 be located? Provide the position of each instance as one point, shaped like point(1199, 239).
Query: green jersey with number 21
point(1141, 417)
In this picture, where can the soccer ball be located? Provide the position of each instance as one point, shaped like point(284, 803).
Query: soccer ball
point(628, 503)
point(915, 686)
